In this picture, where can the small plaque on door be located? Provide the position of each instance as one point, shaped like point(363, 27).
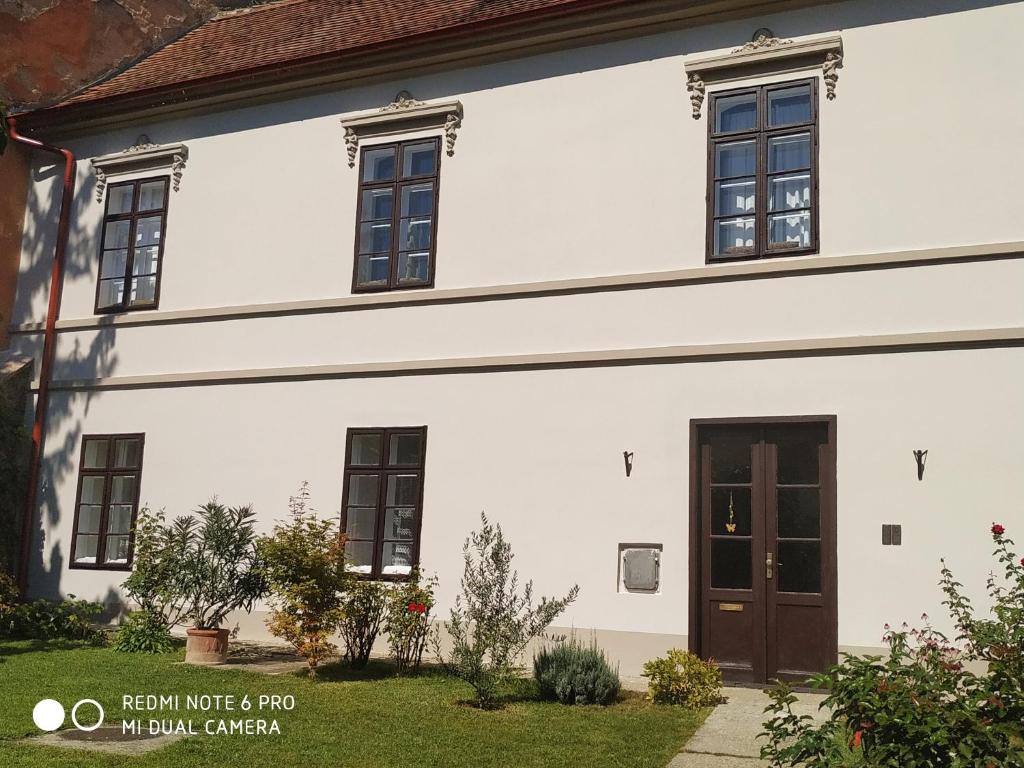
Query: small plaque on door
point(730, 606)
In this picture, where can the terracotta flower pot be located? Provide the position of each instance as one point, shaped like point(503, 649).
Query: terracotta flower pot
point(206, 646)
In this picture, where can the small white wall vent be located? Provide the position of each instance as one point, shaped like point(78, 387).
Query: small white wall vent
point(639, 568)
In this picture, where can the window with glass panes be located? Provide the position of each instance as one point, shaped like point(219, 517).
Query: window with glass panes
point(109, 473)
point(383, 500)
point(397, 216)
point(132, 245)
point(762, 168)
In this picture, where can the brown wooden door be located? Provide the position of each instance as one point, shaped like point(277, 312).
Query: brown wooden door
point(765, 519)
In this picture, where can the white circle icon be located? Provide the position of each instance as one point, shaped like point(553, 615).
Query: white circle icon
point(48, 715)
point(74, 713)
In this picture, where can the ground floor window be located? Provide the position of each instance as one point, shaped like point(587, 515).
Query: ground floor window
point(109, 473)
point(382, 499)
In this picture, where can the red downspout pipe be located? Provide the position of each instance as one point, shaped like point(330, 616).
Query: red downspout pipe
point(49, 345)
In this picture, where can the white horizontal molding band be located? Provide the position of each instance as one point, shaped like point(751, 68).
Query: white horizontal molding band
point(736, 271)
point(694, 353)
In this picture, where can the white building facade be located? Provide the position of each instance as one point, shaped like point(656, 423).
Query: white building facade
point(682, 343)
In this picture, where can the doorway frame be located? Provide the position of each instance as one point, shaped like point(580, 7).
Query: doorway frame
point(829, 538)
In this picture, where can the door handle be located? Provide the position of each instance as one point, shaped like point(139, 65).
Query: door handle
point(768, 565)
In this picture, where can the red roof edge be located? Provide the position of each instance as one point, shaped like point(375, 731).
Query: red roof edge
point(277, 72)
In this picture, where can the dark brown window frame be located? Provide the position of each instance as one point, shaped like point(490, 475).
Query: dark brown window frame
point(395, 185)
point(107, 473)
point(761, 134)
point(383, 469)
point(133, 215)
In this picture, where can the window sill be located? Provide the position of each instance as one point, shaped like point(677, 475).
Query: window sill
point(100, 567)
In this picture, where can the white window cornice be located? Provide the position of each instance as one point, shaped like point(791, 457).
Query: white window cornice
point(765, 54)
point(402, 115)
point(140, 156)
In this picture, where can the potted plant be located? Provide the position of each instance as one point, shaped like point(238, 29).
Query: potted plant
point(216, 569)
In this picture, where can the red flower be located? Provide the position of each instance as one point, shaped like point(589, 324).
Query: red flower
point(1022, 561)
point(856, 739)
point(422, 608)
point(411, 607)
point(997, 529)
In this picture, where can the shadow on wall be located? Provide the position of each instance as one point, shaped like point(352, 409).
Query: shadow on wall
point(46, 567)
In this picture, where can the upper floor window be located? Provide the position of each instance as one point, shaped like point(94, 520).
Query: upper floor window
point(132, 245)
point(397, 215)
point(762, 180)
point(382, 500)
point(109, 473)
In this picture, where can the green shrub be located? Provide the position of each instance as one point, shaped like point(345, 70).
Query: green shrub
point(921, 706)
point(682, 678)
point(575, 674)
point(491, 623)
point(305, 560)
point(362, 615)
point(143, 632)
point(407, 620)
point(69, 619)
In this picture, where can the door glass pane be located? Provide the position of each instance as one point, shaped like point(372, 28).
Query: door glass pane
point(120, 518)
point(119, 198)
point(791, 230)
point(377, 204)
point(730, 511)
point(419, 159)
point(399, 523)
point(375, 237)
point(111, 293)
point(788, 106)
point(397, 559)
point(96, 454)
point(379, 164)
point(126, 453)
point(122, 490)
point(788, 192)
point(736, 113)
point(359, 555)
point(114, 263)
point(787, 153)
point(418, 199)
point(734, 236)
point(404, 450)
point(730, 564)
point(151, 195)
point(362, 490)
point(361, 523)
point(797, 450)
point(414, 267)
point(143, 290)
point(85, 549)
point(373, 270)
point(734, 197)
point(799, 566)
point(730, 459)
point(117, 549)
point(89, 518)
point(737, 158)
point(147, 230)
point(92, 489)
point(365, 450)
point(799, 516)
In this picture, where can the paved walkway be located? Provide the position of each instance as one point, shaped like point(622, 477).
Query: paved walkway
point(728, 738)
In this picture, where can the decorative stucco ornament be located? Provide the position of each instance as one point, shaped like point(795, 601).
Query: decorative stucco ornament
point(763, 38)
point(696, 87)
point(403, 100)
point(352, 146)
point(830, 74)
point(451, 127)
point(143, 153)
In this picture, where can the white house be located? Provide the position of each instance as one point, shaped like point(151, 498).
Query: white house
point(717, 307)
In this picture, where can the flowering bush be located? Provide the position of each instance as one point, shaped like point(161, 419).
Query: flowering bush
point(921, 706)
point(407, 620)
point(682, 678)
point(362, 612)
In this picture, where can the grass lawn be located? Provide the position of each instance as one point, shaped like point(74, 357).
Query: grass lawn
point(343, 719)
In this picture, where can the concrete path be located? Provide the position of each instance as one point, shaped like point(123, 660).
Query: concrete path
point(728, 738)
